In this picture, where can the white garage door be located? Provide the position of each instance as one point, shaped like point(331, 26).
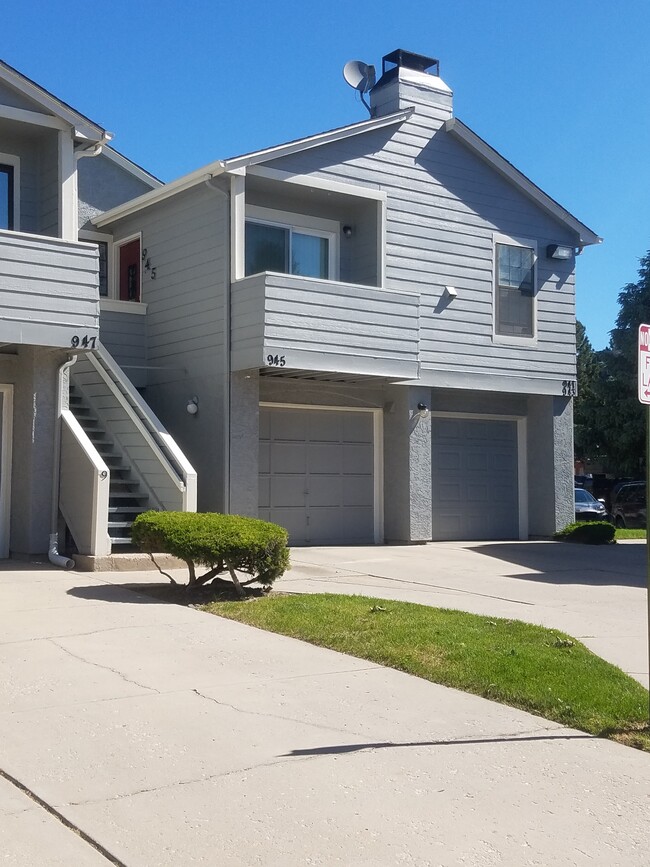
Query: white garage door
point(316, 474)
point(475, 487)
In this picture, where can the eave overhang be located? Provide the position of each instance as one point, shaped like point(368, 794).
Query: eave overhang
point(240, 163)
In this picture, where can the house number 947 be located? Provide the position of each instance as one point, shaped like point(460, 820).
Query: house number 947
point(85, 341)
point(276, 360)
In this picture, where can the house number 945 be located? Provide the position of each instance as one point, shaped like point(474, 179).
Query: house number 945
point(276, 360)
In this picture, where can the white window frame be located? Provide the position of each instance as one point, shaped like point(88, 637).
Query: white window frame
point(111, 302)
point(305, 225)
point(14, 161)
point(513, 339)
point(115, 302)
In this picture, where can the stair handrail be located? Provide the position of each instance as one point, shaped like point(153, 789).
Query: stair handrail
point(183, 474)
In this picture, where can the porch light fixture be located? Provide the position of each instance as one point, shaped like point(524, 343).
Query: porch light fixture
point(423, 410)
point(192, 405)
point(347, 231)
point(559, 251)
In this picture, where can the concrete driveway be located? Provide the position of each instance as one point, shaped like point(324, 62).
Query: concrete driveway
point(140, 734)
point(595, 593)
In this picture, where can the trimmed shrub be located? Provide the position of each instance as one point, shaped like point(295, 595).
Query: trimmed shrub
point(587, 532)
point(222, 543)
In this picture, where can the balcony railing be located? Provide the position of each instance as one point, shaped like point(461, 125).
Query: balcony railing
point(48, 291)
point(289, 322)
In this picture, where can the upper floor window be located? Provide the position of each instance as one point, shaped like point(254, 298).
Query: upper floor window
point(128, 270)
point(303, 246)
point(6, 196)
point(514, 289)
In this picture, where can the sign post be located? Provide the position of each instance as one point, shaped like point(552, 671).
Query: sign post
point(643, 381)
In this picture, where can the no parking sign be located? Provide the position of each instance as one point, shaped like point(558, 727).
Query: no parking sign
point(644, 364)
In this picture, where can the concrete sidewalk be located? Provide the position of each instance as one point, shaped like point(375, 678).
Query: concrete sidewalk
point(147, 734)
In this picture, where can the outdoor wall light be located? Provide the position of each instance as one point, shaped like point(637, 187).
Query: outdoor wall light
point(192, 405)
point(423, 410)
point(451, 292)
point(347, 231)
point(559, 251)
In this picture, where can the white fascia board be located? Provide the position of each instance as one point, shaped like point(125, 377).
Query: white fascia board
point(476, 144)
point(83, 125)
point(132, 168)
point(236, 165)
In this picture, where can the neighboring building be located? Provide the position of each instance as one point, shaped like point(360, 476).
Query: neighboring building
point(56, 172)
point(366, 335)
point(309, 298)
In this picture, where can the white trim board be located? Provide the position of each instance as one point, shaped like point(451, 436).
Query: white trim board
point(317, 183)
point(377, 453)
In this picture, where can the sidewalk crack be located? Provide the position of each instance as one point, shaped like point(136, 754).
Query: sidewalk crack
point(116, 671)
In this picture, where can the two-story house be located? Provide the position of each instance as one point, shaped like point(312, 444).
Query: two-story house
point(58, 473)
point(363, 335)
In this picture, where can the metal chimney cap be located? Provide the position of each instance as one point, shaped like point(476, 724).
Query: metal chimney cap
point(410, 60)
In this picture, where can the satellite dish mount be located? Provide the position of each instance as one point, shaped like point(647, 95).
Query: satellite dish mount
point(360, 76)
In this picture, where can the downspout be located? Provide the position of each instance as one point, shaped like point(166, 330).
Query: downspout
point(227, 389)
point(53, 551)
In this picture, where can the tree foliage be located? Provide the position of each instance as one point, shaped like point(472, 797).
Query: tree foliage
point(222, 543)
point(610, 420)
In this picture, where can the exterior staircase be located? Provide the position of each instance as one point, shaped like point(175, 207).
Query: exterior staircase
point(126, 497)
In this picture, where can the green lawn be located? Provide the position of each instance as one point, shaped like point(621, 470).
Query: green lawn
point(529, 667)
point(629, 534)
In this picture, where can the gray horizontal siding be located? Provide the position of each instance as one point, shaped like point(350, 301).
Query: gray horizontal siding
point(321, 325)
point(444, 204)
point(48, 290)
point(123, 334)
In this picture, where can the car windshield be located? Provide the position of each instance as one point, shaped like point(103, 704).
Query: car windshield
point(583, 496)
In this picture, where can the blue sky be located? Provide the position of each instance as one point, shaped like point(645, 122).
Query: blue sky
point(559, 88)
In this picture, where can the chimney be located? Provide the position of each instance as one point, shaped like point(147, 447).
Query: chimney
point(410, 79)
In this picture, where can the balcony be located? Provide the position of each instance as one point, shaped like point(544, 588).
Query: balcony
point(48, 291)
point(286, 323)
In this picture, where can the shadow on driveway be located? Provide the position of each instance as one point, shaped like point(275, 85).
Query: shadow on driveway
point(566, 563)
point(353, 748)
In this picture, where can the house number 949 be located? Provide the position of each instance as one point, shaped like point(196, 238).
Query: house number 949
point(276, 360)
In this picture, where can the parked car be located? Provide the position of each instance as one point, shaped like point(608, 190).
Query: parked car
point(588, 508)
point(629, 506)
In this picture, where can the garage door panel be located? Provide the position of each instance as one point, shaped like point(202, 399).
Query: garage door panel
point(357, 490)
point(474, 478)
point(357, 459)
point(317, 474)
point(325, 491)
point(357, 427)
point(265, 457)
point(293, 520)
point(286, 491)
point(324, 458)
point(324, 427)
point(289, 426)
point(264, 492)
point(288, 458)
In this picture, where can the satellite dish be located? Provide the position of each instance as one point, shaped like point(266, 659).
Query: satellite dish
point(359, 75)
